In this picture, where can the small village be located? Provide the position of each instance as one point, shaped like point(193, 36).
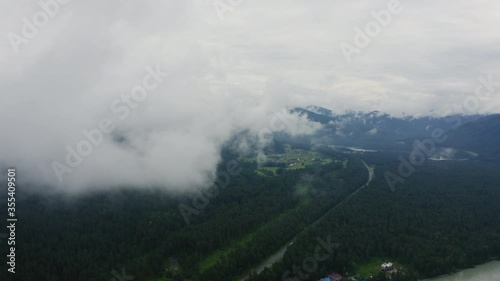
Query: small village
point(293, 159)
point(387, 267)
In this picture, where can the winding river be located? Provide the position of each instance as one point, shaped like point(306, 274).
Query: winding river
point(486, 272)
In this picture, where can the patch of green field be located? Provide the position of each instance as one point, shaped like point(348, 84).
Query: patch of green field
point(371, 268)
point(296, 167)
point(325, 161)
point(212, 259)
point(283, 216)
point(261, 171)
point(272, 169)
point(218, 254)
point(246, 159)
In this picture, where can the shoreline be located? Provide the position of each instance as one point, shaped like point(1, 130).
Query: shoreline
point(437, 278)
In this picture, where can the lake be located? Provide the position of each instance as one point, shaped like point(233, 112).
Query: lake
point(486, 272)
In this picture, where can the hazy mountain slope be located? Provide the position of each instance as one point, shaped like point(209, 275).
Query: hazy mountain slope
point(481, 136)
point(376, 129)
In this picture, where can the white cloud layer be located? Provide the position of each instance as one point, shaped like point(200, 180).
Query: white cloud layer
point(225, 76)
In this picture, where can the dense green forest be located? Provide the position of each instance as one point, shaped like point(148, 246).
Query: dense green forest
point(441, 219)
point(65, 238)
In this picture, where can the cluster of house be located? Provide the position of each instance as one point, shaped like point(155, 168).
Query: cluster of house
point(332, 277)
point(386, 266)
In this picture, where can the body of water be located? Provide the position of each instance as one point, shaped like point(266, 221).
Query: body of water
point(486, 272)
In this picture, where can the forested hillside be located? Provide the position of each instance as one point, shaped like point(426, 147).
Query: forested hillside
point(481, 136)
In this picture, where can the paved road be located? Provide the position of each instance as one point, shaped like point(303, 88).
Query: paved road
point(273, 259)
point(278, 255)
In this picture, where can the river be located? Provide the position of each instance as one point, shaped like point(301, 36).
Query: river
point(485, 272)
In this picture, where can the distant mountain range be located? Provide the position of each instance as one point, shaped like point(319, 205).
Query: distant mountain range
point(377, 130)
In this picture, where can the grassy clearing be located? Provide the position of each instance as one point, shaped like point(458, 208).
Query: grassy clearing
point(218, 254)
point(326, 161)
point(296, 166)
point(373, 267)
point(262, 171)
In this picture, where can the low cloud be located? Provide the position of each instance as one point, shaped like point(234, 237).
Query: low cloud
point(225, 77)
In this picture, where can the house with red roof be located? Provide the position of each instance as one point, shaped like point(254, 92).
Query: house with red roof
point(335, 277)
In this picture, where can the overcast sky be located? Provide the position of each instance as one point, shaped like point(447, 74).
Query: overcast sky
point(229, 65)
